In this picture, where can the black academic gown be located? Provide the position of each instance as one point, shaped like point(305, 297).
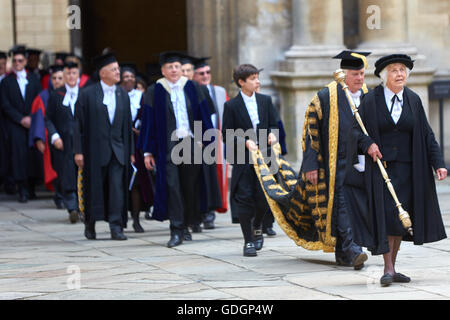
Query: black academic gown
point(426, 156)
point(158, 124)
point(92, 138)
point(236, 117)
point(3, 146)
point(211, 179)
point(26, 162)
point(59, 119)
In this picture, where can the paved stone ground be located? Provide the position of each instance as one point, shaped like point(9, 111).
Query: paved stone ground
point(40, 251)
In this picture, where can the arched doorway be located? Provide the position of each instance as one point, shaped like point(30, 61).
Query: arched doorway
point(135, 30)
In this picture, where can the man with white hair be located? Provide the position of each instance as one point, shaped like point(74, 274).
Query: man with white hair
point(329, 119)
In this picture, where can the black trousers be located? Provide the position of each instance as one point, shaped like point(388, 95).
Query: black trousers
point(251, 204)
point(346, 248)
point(183, 198)
point(113, 193)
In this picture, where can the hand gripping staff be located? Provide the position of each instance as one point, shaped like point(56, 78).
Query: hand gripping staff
point(404, 217)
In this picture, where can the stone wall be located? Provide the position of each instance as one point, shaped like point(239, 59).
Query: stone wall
point(40, 24)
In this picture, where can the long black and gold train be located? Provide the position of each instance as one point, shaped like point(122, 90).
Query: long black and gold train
point(304, 211)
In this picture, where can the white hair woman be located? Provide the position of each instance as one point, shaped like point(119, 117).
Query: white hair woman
point(399, 135)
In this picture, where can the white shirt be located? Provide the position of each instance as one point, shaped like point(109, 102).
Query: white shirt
point(360, 166)
point(22, 81)
point(179, 107)
point(213, 116)
point(356, 97)
point(109, 99)
point(135, 102)
point(252, 109)
point(71, 97)
point(398, 105)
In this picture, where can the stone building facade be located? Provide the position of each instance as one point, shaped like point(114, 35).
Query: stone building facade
point(293, 40)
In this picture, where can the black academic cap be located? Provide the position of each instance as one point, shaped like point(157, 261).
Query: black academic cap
point(71, 65)
point(353, 60)
point(170, 57)
point(201, 62)
point(104, 60)
point(32, 51)
point(2, 55)
point(393, 58)
point(61, 55)
point(18, 49)
point(56, 68)
point(130, 67)
point(187, 59)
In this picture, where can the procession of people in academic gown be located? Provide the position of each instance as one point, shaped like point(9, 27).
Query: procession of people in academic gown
point(107, 148)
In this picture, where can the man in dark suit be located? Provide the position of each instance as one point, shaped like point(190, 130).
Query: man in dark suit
point(59, 121)
point(103, 147)
point(18, 91)
point(253, 113)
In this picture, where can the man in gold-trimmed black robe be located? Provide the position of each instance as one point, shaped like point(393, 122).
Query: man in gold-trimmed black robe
point(313, 211)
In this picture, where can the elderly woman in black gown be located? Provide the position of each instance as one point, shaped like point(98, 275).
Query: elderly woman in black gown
point(399, 135)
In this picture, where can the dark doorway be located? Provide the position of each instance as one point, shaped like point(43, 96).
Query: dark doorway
point(135, 30)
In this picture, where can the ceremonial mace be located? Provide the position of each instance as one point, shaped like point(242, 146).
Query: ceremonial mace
point(339, 76)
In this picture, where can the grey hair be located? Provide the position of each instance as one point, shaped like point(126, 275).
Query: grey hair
point(383, 75)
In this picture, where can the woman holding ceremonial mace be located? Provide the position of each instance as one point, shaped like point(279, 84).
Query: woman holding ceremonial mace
point(400, 136)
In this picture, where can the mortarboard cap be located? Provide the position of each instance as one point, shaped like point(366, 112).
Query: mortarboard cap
point(71, 65)
point(56, 68)
point(104, 60)
point(170, 57)
point(32, 51)
point(201, 62)
point(2, 55)
point(353, 60)
point(18, 49)
point(187, 59)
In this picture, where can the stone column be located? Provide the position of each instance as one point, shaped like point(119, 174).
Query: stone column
point(384, 31)
point(307, 67)
point(6, 25)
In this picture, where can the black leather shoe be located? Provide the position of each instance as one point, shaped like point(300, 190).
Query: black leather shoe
point(73, 216)
point(58, 203)
point(187, 235)
point(387, 280)
point(250, 250)
point(259, 239)
point(174, 241)
point(89, 233)
point(196, 228)
point(136, 223)
point(358, 261)
point(270, 232)
point(398, 277)
point(209, 225)
point(148, 215)
point(118, 235)
point(23, 198)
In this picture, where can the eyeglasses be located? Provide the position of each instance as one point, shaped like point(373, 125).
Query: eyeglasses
point(204, 73)
point(18, 60)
